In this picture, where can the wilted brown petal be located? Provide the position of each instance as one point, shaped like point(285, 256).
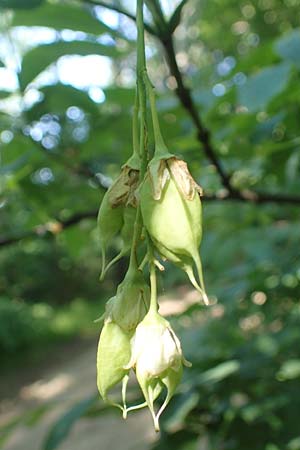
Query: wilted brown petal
point(183, 179)
point(122, 192)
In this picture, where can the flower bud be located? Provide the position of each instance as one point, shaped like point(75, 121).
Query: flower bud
point(172, 214)
point(157, 359)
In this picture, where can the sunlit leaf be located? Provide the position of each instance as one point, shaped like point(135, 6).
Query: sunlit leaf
point(289, 370)
point(219, 372)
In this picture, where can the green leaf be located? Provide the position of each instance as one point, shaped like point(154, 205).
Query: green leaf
point(58, 98)
point(175, 19)
point(39, 58)
point(180, 407)
point(263, 86)
point(64, 424)
point(120, 96)
point(16, 154)
point(288, 47)
point(289, 370)
point(2, 63)
point(20, 4)
point(294, 444)
point(4, 94)
point(61, 16)
point(219, 372)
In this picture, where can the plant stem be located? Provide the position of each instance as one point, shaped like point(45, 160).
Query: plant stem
point(153, 287)
point(135, 119)
point(133, 262)
point(140, 104)
point(141, 69)
point(160, 146)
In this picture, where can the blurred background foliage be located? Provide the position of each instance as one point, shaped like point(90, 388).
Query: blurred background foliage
point(67, 76)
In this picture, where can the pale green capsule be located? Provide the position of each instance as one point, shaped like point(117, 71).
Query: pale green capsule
point(172, 214)
point(172, 220)
point(109, 224)
point(113, 353)
point(129, 215)
point(132, 301)
point(115, 213)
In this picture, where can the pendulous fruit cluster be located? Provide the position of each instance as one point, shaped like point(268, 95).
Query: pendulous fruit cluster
point(155, 207)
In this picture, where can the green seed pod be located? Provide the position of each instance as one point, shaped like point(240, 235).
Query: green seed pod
point(129, 215)
point(109, 223)
point(113, 353)
point(172, 215)
point(115, 213)
point(131, 302)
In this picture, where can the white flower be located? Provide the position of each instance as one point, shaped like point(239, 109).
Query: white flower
point(157, 358)
point(155, 348)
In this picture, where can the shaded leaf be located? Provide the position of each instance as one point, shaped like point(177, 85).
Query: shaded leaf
point(62, 427)
point(175, 19)
point(58, 98)
point(180, 407)
point(17, 154)
point(261, 87)
point(39, 58)
point(4, 94)
point(61, 16)
point(20, 4)
point(288, 46)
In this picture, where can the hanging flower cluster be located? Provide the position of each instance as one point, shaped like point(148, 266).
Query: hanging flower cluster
point(154, 206)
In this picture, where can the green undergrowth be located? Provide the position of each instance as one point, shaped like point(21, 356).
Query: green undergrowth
point(26, 331)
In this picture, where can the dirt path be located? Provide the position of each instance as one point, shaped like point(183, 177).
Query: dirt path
point(38, 403)
point(51, 395)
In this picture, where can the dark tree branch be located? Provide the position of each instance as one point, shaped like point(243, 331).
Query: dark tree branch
point(125, 13)
point(203, 134)
point(185, 97)
point(204, 138)
point(50, 228)
point(56, 226)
